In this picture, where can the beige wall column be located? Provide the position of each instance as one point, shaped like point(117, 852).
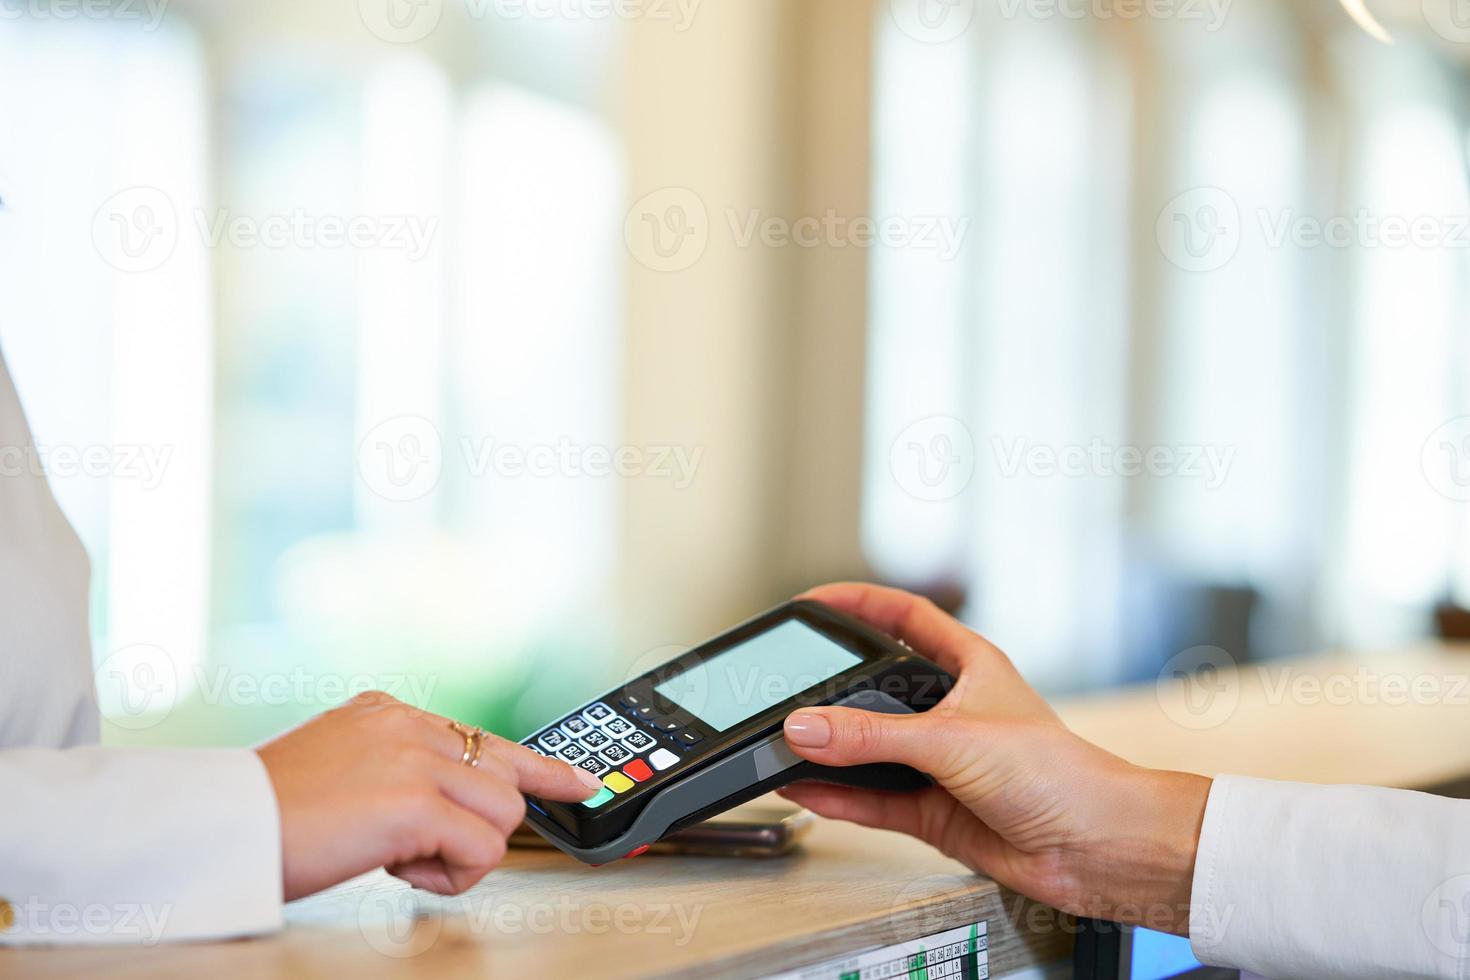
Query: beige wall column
point(749, 353)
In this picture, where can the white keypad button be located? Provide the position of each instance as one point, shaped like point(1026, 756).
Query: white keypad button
point(599, 714)
point(552, 740)
point(575, 726)
point(594, 739)
point(594, 765)
point(663, 759)
point(572, 753)
point(617, 727)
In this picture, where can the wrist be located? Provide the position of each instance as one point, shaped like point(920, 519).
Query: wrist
point(1142, 868)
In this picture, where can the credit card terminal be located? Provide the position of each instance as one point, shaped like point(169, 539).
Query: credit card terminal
point(703, 732)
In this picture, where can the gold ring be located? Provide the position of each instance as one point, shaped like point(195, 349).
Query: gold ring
point(480, 734)
point(471, 743)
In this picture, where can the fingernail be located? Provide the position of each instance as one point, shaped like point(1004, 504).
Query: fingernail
point(808, 730)
point(588, 780)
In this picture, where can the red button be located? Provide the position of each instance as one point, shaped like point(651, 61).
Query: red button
point(639, 770)
point(636, 851)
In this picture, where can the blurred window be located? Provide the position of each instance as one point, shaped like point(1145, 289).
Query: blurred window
point(1155, 277)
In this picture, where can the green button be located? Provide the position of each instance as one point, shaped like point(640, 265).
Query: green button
point(603, 795)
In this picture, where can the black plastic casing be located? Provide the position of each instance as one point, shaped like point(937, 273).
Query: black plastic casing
point(887, 667)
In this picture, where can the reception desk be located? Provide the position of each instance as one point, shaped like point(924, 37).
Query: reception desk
point(1399, 721)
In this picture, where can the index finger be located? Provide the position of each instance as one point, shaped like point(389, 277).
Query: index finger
point(544, 776)
point(932, 632)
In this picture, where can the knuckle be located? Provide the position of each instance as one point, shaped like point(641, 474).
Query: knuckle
point(489, 854)
point(864, 734)
point(498, 770)
point(511, 812)
point(372, 699)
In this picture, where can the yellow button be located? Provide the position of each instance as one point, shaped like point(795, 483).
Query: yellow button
point(7, 915)
point(617, 782)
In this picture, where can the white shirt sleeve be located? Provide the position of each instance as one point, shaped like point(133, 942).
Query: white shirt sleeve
point(1295, 880)
point(137, 846)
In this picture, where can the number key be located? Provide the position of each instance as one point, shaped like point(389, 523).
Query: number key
point(618, 727)
point(575, 725)
point(572, 752)
point(639, 741)
point(594, 765)
point(594, 739)
point(599, 714)
point(616, 754)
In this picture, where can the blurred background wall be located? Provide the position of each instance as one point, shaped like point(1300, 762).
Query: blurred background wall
point(486, 350)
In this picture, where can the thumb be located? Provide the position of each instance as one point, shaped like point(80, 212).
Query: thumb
point(852, 736)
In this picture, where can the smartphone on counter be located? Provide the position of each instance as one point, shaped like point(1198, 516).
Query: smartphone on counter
point(768, 827)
